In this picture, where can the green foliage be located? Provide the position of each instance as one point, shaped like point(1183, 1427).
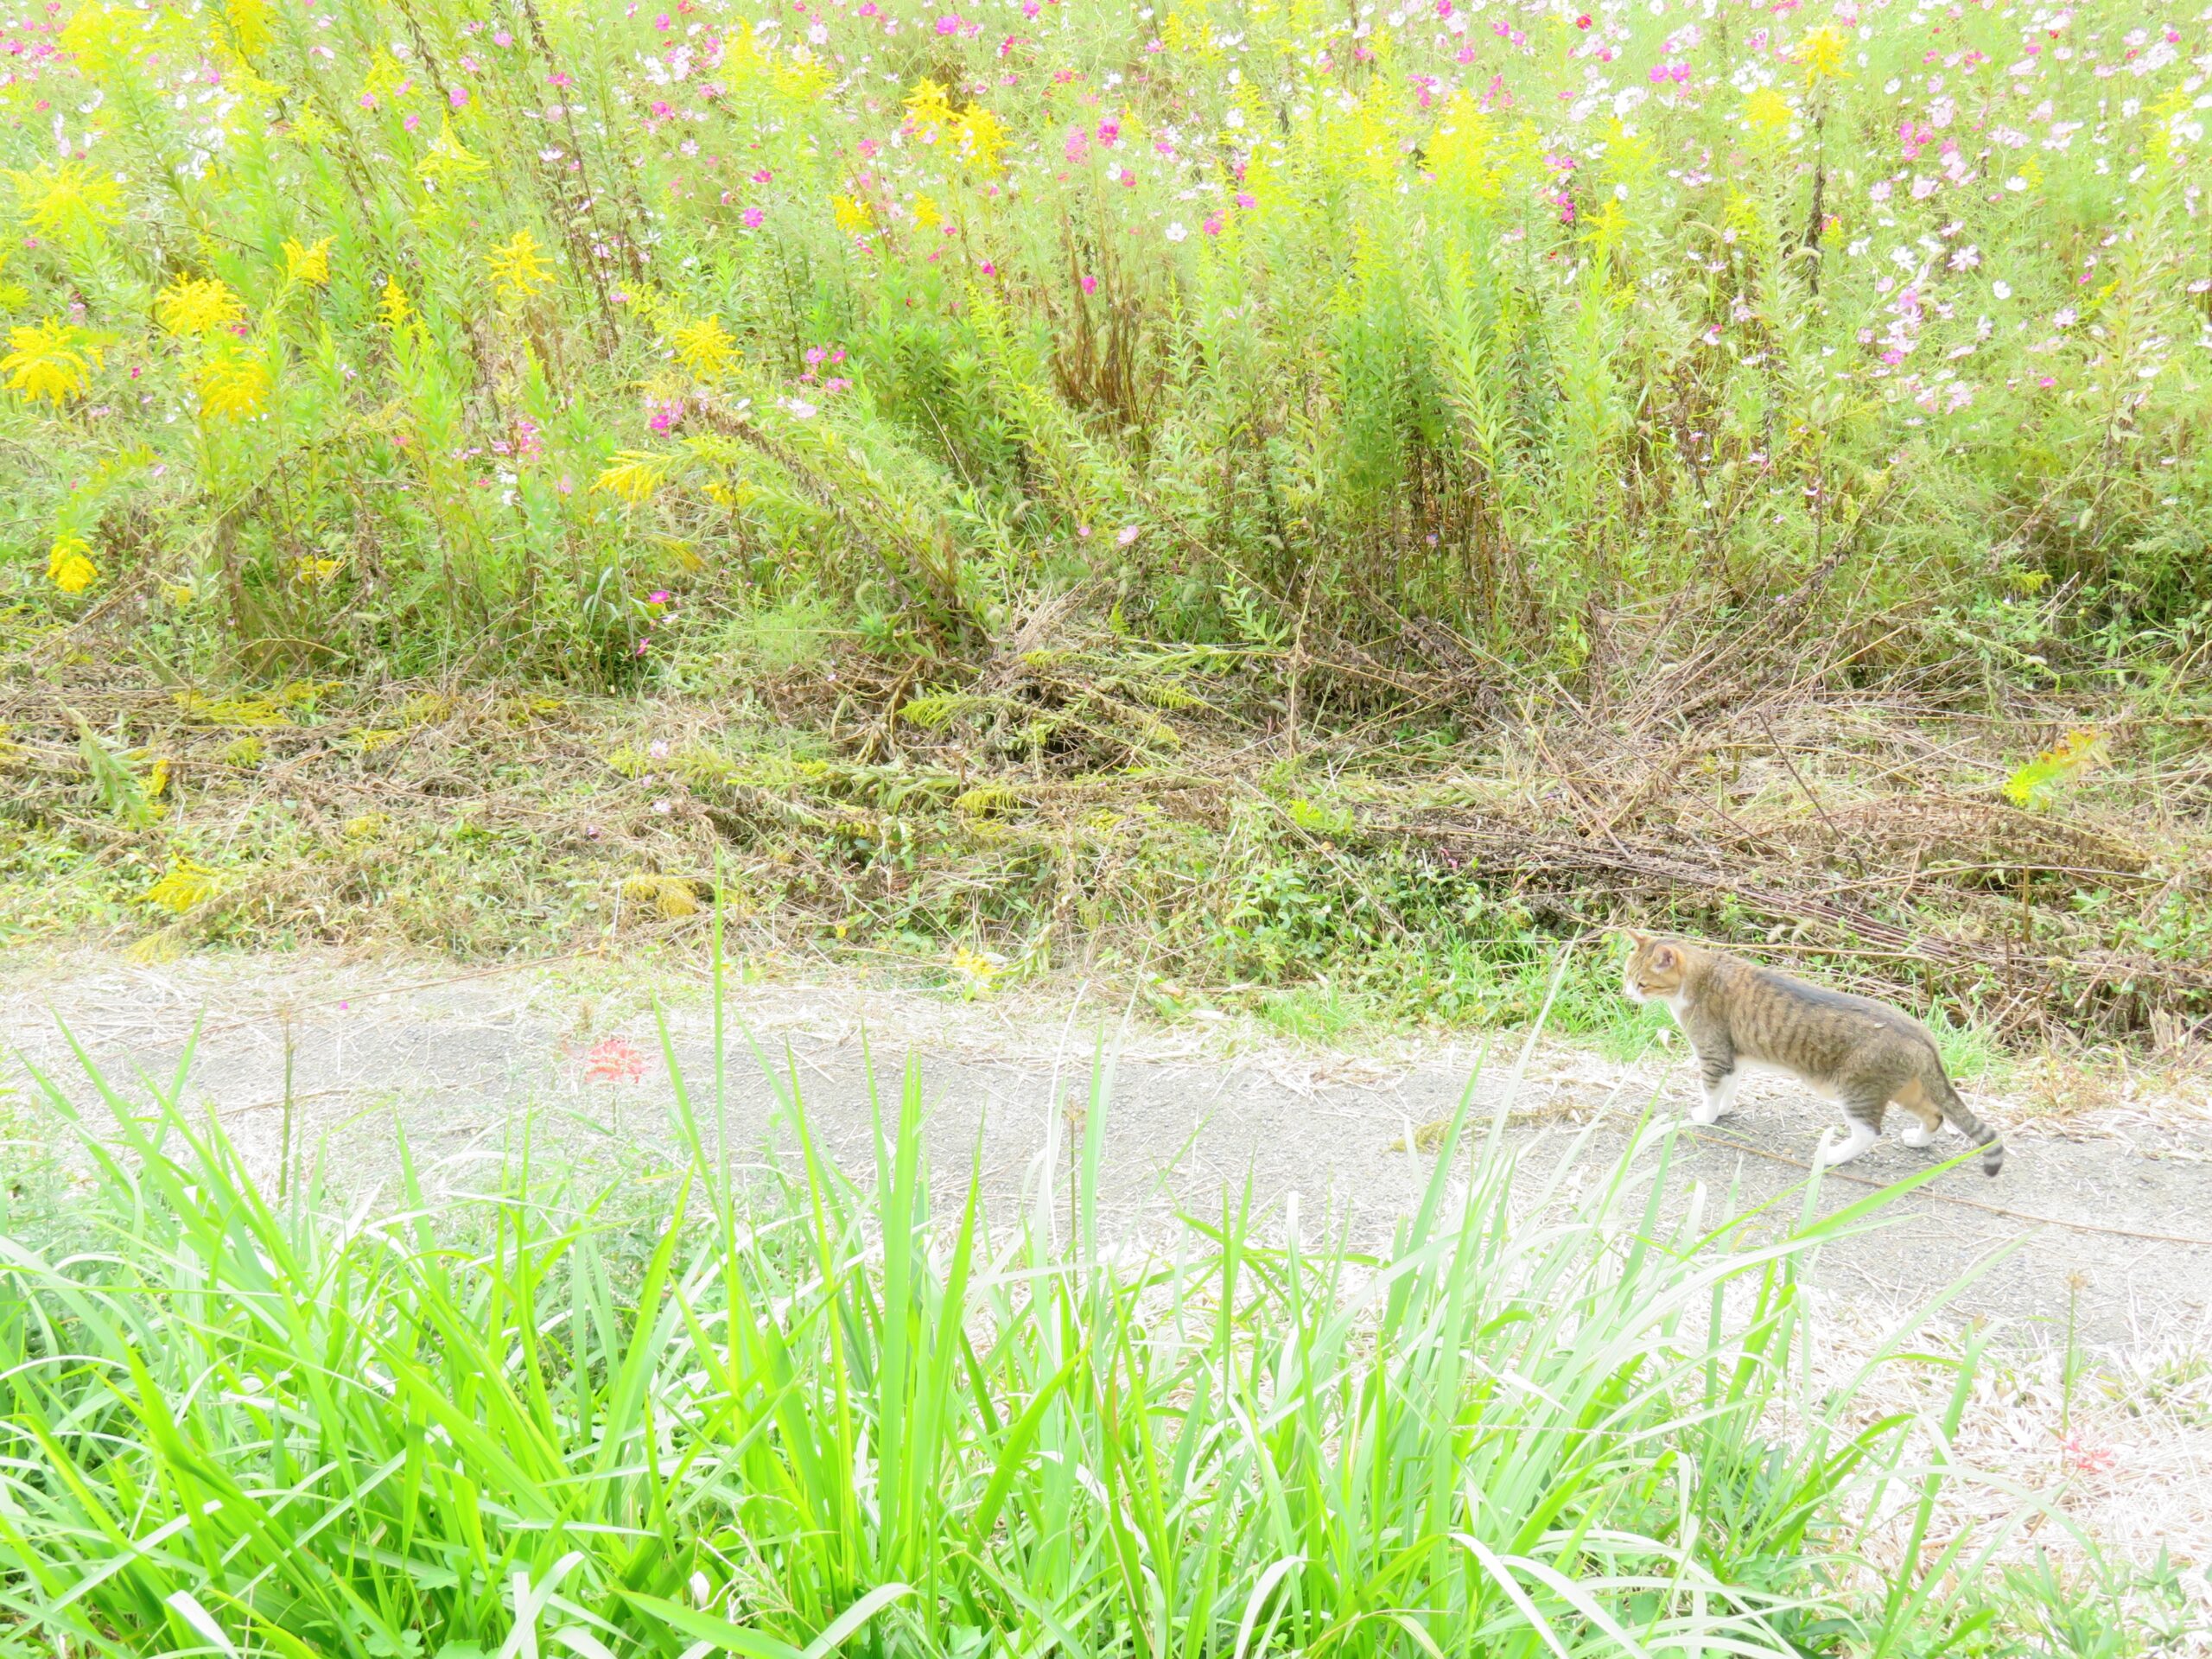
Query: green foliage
point(444, 336)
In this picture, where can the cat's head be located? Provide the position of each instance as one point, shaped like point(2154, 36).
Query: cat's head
point(1656, 967)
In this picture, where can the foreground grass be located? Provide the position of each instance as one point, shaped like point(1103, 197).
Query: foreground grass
point(522, 1410)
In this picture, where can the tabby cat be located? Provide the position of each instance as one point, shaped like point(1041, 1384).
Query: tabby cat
point(1862, 1053)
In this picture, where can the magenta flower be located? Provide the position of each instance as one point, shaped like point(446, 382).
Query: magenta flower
point(989, 270)
point(1247, 200)
point(458, 98)
point(1212, 225)
point(1108, 132)
point(752, 219)
point(761, 176)
point(949, 24)
point(658, 596)
point(1090, 284)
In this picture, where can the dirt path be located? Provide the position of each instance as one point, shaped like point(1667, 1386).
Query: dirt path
point(2114, 1434)
point(1195, 1110)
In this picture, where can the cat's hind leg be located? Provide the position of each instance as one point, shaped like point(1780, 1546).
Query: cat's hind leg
point(1927, 1122)
point(1864, 1109)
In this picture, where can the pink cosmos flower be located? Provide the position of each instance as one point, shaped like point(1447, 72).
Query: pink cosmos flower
point(1211, 226)
point(751, 218)
point(458, 98)
point(1090, 284)
point(1247, 200)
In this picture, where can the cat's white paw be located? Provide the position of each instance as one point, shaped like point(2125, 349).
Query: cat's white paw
point(1704, 1112)
point(1916, 1133)
point(1841, 1146)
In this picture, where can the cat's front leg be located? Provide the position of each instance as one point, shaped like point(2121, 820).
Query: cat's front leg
point(1718, 1075)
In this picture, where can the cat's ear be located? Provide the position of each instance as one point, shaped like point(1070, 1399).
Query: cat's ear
point(1664, 957)
point(1639, 940)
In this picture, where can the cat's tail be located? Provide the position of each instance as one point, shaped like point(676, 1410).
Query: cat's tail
point(1956, 1113)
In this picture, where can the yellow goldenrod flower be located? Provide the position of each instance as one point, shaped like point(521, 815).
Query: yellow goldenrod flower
point(250, 21)
point(851, 213)
point(634, 476)
point(69, 566)
point(704, 347)
point(976, 972)
point(982, 139)
point(518, 268)
point(927, 105)
point(1766, 111)
point(927, 214)
point(197, 306)
point(68, 199)
point(185, 886)
point(231, 388)
point(54, 360)
point(310, 264)
point(1821, 53)
point(314, 572)
point(392, 310)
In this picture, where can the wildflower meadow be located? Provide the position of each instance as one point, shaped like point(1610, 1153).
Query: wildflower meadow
point(346, 335)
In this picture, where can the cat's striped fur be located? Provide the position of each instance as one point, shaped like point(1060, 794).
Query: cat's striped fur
point(1862, 1053)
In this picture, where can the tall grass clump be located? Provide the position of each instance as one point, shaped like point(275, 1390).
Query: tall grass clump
point(365, 336)
point(681, 1412)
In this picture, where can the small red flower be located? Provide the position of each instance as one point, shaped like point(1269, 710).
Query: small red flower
point(614, 1060)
